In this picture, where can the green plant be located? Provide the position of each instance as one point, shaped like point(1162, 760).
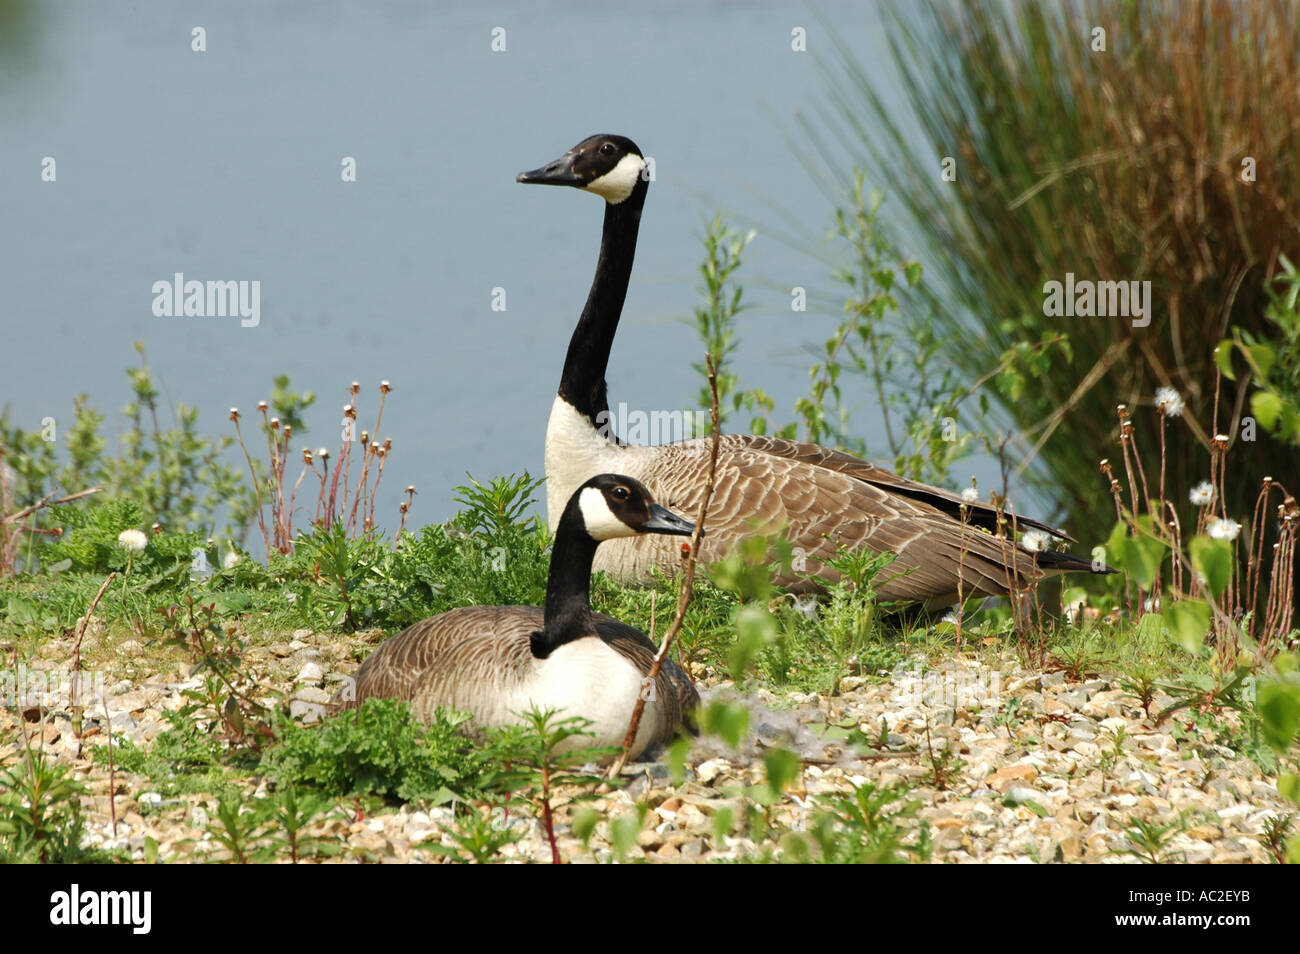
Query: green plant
point(294, 812)
point(380, 749)
point(540, 757)
point(241, 829)
point(40, 811)
point(476, 837)
point(849, 620)
point(1149, 841)
point(945, 765)
point(870, 825)
point(1140, 682)
point(715, 320)
point(217, 652)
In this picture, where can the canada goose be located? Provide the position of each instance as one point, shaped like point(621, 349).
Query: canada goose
point(819, 498)
point(497, 662)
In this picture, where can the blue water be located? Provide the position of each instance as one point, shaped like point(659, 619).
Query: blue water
point(225, 165)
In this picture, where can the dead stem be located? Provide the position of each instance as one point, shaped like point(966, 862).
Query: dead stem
point(688, 580)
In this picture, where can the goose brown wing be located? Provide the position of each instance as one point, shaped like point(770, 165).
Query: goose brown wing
point(779, 486)
point(393, 670)
point(977, 513)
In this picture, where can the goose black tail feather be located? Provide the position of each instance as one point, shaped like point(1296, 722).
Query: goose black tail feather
point(1056, 560)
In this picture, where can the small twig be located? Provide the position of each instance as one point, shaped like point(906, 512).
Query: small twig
point(547, 818)
point(76, 659)
point(688, 581)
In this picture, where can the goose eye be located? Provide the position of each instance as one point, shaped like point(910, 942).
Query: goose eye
point(621, 493)
point(607, 149)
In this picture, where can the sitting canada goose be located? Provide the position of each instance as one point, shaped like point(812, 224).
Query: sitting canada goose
point(497, 662)
point(820, 499)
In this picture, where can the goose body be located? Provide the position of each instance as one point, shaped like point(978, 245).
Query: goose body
point(498, 662)
point(819, 499)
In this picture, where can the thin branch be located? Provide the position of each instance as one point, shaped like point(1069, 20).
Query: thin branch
point(688, 581)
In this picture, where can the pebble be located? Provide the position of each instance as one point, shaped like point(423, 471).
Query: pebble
point(1070, 767)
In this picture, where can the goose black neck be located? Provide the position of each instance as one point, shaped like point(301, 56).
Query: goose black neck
point(567, 614)
point(583, 381)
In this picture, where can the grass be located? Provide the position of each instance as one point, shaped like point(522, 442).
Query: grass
point(1124, 160)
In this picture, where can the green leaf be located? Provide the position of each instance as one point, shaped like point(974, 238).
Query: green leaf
point(1263, 357)
point(1266, 406)
point(781, 767)
point(1213, 560)
point(584, 823)
point(1188, 620)
point(728, 720)
point(1279, 712)
point(1223, 358)
point(755, 629)
point(1288, 786)
point(1140, 555)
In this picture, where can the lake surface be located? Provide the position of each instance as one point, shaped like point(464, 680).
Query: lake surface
point(225, 165)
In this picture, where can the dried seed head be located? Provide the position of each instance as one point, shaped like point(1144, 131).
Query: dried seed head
point(156, 528)
point(323, 453)
point(384, 387)
point(234, 414)
point(350, 411)
point(410, 489)
point(356, 387)
point(388, 443)
point(275, 423)
point(365, 438)
point(306, 455)
point(403, 506)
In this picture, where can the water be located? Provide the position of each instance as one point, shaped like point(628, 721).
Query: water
point(225, 165)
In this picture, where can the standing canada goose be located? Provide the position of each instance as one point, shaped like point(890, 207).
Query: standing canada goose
point(820, 499)
point(497, 662)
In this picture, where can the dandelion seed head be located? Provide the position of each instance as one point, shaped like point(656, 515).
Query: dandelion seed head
point(1202, 494)
point(1223, 529)
point(1169, 402)
point(132, 541)
point(1035, 540)
point(970, 495)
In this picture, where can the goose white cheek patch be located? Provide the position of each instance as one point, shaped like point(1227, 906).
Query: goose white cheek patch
point(600, 520)
point(617, 184)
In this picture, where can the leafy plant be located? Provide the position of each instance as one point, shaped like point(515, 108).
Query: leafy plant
point(40, 812)
point(380, 749)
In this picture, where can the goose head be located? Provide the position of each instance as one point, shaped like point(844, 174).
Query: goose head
point(612, 505)
point(610, 166)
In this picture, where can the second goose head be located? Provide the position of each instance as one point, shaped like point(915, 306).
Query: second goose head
point(612, 505)
point(606, 507)
point(610, 166)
